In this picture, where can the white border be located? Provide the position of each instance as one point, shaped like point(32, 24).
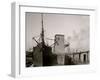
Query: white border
point(18, 59)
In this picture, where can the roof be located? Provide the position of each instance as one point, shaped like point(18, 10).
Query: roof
point(59, 35)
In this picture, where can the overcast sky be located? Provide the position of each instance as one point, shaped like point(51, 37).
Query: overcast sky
point(75, 28)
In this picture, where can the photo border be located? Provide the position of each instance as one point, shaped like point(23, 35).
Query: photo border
point(18, 41)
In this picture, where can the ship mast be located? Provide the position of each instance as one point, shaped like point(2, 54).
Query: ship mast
point(42, 32)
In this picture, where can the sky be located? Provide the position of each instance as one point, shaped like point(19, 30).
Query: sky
point(75, 29)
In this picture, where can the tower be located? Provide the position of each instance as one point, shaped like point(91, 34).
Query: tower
point(59, 44)
point(59, 48)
